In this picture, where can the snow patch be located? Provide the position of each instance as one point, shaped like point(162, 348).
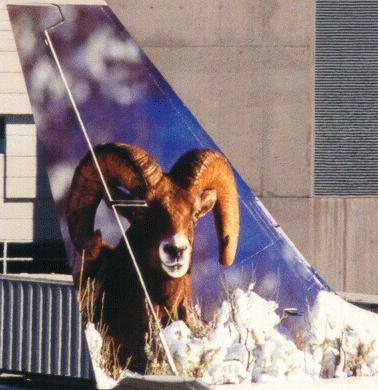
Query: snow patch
point(243, 343)
point(342, 337)
point(94, 340)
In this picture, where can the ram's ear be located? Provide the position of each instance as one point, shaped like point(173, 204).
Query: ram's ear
point(208, 198)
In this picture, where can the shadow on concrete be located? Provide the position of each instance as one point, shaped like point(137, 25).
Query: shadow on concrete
point(160, 383)
point(15, 382)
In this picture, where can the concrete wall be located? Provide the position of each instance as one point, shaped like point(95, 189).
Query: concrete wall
point(246, 70)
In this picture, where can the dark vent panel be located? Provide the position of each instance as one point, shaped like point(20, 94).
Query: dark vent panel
point(346, 98)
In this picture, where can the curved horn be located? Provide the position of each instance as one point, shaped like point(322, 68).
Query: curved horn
point(121, 165)
point(199, 170)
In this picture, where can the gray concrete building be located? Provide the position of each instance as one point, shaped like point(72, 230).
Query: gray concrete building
point(246, 69)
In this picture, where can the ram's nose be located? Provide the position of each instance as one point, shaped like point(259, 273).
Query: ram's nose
point(176, 252)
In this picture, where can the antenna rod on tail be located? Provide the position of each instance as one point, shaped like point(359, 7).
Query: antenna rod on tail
point(113, 202)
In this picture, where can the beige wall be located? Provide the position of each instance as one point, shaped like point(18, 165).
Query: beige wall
point(26, 208)
point(246, 70)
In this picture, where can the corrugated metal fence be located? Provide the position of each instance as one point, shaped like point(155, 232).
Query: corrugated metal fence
point(346, 97)
point(40, 329)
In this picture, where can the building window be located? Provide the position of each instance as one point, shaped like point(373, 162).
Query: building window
point(346, 98)
point(33, 257)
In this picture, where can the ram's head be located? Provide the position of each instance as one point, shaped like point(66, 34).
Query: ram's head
point(161, 234)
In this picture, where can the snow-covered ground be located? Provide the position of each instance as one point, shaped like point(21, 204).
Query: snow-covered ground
point(94, 339)
point(243, 344)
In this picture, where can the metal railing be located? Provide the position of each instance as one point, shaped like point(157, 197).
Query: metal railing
point(40, 328)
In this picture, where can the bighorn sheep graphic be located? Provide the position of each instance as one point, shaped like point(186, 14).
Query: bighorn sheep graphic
point(161, 235)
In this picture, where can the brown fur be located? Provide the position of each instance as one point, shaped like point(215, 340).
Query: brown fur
point(175, 203)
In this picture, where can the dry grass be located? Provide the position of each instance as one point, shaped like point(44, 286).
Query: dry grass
point(356, 363)
point(89, 307)
point(157, 361)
